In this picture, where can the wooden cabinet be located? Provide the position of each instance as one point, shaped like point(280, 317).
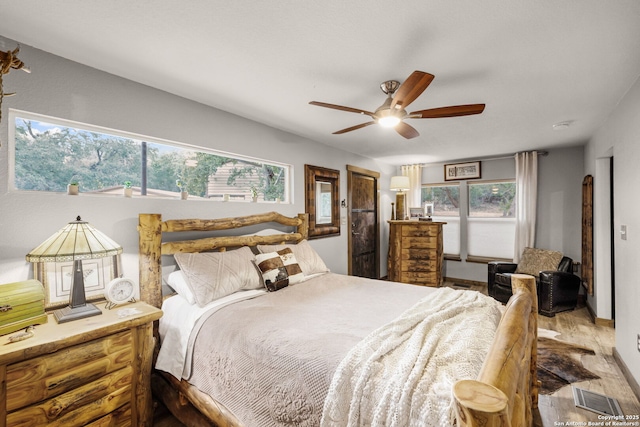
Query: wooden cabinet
point(94, 371)
point(415, 252)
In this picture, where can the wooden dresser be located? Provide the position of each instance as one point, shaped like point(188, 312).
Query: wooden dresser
point(415, 252)
point(93, 371)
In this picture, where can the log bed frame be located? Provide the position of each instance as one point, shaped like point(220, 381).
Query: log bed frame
point(504, 394)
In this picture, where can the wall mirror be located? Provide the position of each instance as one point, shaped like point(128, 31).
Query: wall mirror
point(322, 201)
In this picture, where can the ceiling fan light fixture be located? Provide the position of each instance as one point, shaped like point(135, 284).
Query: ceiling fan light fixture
point(388, 121)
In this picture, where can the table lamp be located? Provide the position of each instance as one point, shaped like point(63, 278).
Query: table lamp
point(75, 242)
point(400, 184)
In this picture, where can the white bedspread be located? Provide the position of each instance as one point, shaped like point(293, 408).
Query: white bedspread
point(402, 373)
point(178, 321)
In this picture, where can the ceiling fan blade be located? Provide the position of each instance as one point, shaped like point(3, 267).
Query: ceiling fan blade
point(360, 126)
point(452, 111)
point(341, 108)
point(406, 130)
point(408, 91)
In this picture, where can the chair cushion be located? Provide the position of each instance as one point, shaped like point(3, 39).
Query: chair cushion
point(533, 261)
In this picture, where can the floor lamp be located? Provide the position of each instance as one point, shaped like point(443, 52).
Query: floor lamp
point(400, 184)
point(75, 242)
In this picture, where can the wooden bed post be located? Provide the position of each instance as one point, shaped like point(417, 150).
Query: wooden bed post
point(506, 389)
point(150, 239)
point(303, 228)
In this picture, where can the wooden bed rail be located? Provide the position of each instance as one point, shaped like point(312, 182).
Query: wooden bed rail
point(506, 390)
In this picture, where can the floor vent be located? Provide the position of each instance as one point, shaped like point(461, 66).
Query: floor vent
point(462, 285)
point(598, 403)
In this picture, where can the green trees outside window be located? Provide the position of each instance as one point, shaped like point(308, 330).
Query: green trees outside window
point(49, 156)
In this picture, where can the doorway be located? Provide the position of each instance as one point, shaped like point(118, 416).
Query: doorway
point(363, 224)
point(613, 243)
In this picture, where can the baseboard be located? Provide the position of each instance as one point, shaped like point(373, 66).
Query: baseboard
point(627, 373)
point(610, 323)
point(465, 281)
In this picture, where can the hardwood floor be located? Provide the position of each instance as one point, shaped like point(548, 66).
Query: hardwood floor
point(553, 410)
point(578, 328)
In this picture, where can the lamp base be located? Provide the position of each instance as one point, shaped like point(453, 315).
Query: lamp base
point(67, 314)
point(400, 210)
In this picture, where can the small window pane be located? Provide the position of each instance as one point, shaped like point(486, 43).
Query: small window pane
point(492, 200)
point(491, 237)
point(445, 199)
point(446, 203)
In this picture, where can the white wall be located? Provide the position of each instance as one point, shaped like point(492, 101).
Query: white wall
point(61, 88)
point(620, 136)
point(559, 214)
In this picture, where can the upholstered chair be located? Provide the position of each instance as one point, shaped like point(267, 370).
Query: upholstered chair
point(558, 287)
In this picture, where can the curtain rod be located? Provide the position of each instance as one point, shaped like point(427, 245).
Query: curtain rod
point(539, 153)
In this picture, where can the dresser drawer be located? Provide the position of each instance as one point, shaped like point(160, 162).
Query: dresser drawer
point(420, 243)
point(420, 278)
point(419, 266)
point(421, 254)
point(419, 231)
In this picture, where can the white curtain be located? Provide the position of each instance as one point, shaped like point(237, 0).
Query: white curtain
point(414, 195)
point(526, 201)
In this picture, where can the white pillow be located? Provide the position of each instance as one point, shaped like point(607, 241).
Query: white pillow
point(178, 283)
point(213, 275)
point(308, 259)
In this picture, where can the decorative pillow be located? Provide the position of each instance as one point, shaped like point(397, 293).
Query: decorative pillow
point(533, 261)
point(309, 260)
point(213, 275)
point(178, 283)
point(279, 269)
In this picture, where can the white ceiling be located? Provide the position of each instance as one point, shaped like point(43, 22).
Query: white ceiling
point(533, 63)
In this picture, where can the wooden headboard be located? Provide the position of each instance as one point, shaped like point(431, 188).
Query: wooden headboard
point(152, 245)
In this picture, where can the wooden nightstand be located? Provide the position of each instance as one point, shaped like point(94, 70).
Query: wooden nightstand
point(94, 371)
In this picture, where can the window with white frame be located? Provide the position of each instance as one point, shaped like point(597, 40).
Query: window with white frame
point(446, 208)
point(491, 219)
point(50, 153)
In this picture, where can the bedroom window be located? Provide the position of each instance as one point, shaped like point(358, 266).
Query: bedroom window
point(50, 153)
point(491, 219)
point(446, 208)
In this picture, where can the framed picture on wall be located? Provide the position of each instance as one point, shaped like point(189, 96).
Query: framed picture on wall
point(460, 171)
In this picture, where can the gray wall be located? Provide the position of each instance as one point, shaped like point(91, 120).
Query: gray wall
point(559, 213)
point(61, 88)
point(618, 137)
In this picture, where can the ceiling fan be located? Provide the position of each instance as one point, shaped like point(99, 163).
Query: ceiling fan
point(392, 112)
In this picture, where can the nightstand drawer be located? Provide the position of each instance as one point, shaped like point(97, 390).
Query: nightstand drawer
point(48, 376)
point(90, 401)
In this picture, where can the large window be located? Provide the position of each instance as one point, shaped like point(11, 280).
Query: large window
point(479, 215)
point(491, 219)
point(51, 153)
point(446, 208)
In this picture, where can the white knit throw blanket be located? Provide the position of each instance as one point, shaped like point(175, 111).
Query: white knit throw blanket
point(402, 374)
